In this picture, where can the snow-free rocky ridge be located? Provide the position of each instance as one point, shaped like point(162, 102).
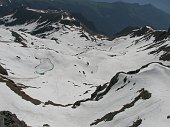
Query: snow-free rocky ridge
point(67, 76)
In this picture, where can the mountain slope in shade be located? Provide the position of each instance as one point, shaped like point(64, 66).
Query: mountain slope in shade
point(161, 4)
point(44, 23)
point(105, 18)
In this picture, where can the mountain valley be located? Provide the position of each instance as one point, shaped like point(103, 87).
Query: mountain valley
point(56, 72)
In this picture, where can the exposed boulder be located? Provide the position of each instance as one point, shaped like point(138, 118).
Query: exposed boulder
point(7, 119)
point(3, 71)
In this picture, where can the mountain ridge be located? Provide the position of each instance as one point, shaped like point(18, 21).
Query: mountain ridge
point(163, 5)
point(107, 18)
point(54, 72)
point(39, 22)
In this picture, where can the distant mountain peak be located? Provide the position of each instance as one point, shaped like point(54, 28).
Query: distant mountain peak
point(44, 23)
point(117, 15)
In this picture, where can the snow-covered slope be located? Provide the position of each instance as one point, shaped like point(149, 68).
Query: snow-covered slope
point(44, 23)
point(61, 77)
point(132, 99)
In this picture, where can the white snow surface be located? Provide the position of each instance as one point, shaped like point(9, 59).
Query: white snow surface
point(70, 68)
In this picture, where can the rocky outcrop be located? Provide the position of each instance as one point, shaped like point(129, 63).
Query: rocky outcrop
point(144, 94)
point(7, 119)
point(3, 71)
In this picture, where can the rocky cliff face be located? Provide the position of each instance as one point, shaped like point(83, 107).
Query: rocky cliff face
point(7, 119)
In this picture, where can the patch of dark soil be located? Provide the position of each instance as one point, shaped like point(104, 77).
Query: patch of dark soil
point(136, 123)
point(7, 119)
point(77, 103)
point(112, 55)
point(144, 94)
point(166, 52)
point(86, 92)
point(85, 36)
point(145, 66)
point(18, 38)
point(18, 90)
point(21, 86)
point(141, 32)
point(55, 39)
point(133, 72)
point(46, 125)
point(87, 84)
point(126, 83)
point(121, 87)
point(70, 22)
point(125, 79)
point(95, 96)
point(161, 35)
point(54, 104)
point(3, 71)
point(43, 30)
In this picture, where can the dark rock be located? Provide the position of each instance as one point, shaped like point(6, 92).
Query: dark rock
point(144, 94)
point(46, 125)
point(3, 71)
point(168, 117)
point(141, 31)
point(7, 119)
point(137, 123)
point(125, 31)
point(169, 31)
point(18, 38)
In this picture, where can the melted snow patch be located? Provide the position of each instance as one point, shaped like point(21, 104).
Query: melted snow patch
point(44, 66)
